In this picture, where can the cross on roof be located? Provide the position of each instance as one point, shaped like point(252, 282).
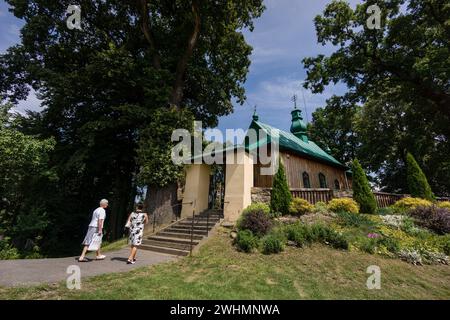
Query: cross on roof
point(294, 99)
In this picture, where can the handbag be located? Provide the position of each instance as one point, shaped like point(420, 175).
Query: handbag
point(96, 242)
point(128, 224)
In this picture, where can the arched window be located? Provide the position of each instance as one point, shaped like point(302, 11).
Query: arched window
point(322, 180)
point(337, 185)
point(306, 182)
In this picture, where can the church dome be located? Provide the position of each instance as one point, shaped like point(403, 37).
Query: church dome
point(298, 126)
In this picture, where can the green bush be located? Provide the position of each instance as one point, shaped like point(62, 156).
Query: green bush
point(303, 234)
point(338, 241)
point(257, 206)
point(408, 226)
point(386, 211)
point(362, 193)
point(369, 245)
point(354, 220)
point(446, 247)
point(272, 244)
point(327, 235)
point(299, 207)
point(417, 181)
point(280, 197)
point(255, 218)
point(343, 204)
point(246, 241)
point(7, 251)
point(298, 233)
point(392, 245)
point(274, 215)
point(320, 207)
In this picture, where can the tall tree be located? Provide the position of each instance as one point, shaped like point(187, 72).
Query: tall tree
point(333, 127)
point(106, 88)
point(410, 51)
point(24, 179)
point(387, 128)
point(399, 74)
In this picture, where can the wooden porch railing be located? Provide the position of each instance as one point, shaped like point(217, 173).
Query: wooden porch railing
point(313, 195)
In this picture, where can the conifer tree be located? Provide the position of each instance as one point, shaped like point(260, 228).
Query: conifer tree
point(417, 181)
point(281, 195)
point(362, 193)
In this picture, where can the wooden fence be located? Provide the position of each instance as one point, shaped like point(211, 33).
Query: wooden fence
point(313, 195)
point(387, 199)
point(325, 195)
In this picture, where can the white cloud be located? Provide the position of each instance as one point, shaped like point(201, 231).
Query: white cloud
point(14, 30)
point(276, 95)
point(32, 103)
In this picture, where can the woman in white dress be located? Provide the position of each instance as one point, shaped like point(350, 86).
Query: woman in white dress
point(136, 222)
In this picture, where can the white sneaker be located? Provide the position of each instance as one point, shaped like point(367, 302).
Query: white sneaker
point(102, 257)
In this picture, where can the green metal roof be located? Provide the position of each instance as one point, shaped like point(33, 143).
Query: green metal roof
point(287, 141)
point(290, 142)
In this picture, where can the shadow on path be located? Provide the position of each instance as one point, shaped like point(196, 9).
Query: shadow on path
point(28, 272)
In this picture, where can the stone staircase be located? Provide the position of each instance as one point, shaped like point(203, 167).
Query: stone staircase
point(176, 238)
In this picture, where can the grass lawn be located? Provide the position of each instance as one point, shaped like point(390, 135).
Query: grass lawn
point(218, 271)
point(116, 245)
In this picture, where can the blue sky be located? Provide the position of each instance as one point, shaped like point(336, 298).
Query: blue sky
point(283, 36)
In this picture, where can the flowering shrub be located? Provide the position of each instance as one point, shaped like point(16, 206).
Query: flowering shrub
point(431, 257)
point(256, 219)
point(300, 207)
point(418, 257)
point(373, 235)
point(393, 220)
point(343, 205)
point(257, 206)
point(408, 203)
point(433, 218)
point(411, 256)
point(444, 204)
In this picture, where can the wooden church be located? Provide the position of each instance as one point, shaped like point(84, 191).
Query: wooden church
point(310, 171)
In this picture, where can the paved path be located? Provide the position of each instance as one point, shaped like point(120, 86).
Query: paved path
point(36, 271)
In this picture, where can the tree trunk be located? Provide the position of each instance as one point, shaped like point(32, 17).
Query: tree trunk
point(161, 203)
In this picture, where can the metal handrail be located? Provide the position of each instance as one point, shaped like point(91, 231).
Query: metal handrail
point(192, 222)
point(192, 231)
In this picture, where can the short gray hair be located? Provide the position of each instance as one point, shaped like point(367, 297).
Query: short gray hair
point(103, 201)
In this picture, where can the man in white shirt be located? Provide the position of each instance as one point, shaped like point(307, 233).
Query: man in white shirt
point(95, 227)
